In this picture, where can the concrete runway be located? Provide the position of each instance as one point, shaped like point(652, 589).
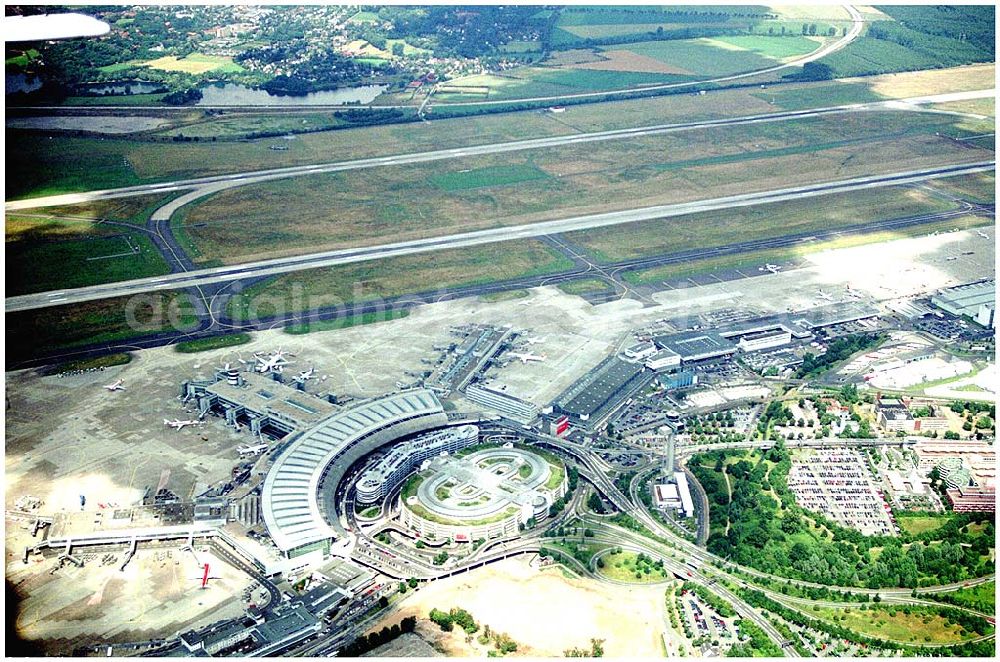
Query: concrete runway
point(346, 256)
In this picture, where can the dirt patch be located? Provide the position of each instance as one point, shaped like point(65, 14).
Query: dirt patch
point(932, 81)
point(545, 612)
point(629, 61)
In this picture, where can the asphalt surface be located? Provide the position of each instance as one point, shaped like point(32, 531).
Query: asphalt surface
point(273, 267)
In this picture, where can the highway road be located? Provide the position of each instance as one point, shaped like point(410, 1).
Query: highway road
point(199, 187)
point(464, 239)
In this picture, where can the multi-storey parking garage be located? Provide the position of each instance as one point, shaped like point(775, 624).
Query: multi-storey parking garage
point(385, 473)
point(486, 494)
point(322, 454)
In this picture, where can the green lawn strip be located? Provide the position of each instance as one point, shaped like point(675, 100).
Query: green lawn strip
point(485, 177)
point(585, 286)
point(377, 279)
point(757, 258)
point(981, 597)
point(346, 322)
point(115, 100)
point(32, 332)
point(214, 342)
point(423, 513)
point(504, 295)
point(106, 361)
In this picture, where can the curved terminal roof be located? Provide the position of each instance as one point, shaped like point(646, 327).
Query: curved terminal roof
point(289, 497)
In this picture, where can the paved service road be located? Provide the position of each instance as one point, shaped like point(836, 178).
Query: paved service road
point(346, 256)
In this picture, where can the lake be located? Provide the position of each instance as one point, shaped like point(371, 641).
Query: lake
point(230, 94)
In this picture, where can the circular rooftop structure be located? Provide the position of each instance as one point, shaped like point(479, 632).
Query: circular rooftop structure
point(483, 493)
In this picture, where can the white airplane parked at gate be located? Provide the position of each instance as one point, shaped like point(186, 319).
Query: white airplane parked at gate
point(273, 362)
point(532, 341)
point(823, 295)
point(251, 450)
point(773, 268)
point(178, 424)
point(117, 386)
point(527, 357)
point(306, 374)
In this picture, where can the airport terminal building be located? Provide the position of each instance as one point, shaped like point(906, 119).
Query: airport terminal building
point(300, 480)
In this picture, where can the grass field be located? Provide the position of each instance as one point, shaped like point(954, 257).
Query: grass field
point(981, 597)
point(917, 524)
point(33, 332)
point(214, 342)
point(813, 96)
point(771, 220)
point(345, 322)
point(979, 188)
point(402, 202)
point(45, 254)
point(375, 280)
point(39, 164)
point(921, 625)
point(625, 566)
point(462, 180)
point(112, 100)
point(750, 261)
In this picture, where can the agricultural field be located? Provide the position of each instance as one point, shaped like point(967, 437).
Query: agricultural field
point(919, 38)
point(195, 63)
point(776, 48)
point(377, 279)
point(700, 57)
point(771, 220)
point(403, 202)
point(931, 81)
point(33, 332)
point(904, 624)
